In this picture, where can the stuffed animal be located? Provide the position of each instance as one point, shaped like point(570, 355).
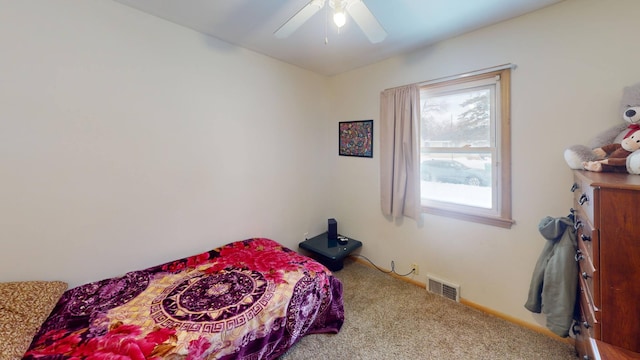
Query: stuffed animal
point(576, 155)
point(616, 155)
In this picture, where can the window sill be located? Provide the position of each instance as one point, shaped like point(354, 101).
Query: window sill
point(482, 219)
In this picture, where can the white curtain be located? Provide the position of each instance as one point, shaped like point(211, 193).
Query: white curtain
point(400, 152)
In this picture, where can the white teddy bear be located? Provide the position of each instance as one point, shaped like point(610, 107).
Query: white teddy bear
point(577, 155)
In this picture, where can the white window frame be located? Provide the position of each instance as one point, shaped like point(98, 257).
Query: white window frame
point(500, 147)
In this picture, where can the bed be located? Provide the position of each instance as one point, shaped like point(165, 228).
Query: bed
point(251, 299)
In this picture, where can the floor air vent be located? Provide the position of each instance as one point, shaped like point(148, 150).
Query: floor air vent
point(442, 288)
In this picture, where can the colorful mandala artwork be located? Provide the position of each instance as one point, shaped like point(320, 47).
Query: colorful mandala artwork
point(212, 302)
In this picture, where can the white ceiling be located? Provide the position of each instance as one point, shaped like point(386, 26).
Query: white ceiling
point(411, 24)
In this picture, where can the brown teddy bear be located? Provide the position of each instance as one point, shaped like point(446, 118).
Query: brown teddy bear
point(614, 156)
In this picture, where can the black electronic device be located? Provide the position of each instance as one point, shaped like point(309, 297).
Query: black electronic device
point(332, 231)
point(342, 240)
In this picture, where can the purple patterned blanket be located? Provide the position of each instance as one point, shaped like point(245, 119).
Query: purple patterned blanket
point(250, 299)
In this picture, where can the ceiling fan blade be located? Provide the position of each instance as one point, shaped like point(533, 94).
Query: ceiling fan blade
point(367, 22)
point(299, 18)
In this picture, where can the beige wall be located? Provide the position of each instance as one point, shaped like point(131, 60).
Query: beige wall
point(126, 141)
point(573, 59)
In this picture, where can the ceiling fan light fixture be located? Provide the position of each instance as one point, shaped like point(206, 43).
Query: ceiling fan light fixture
point(357, 10)
point(339, 18)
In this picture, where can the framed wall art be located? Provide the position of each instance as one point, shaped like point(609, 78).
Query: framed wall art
point(355, 138)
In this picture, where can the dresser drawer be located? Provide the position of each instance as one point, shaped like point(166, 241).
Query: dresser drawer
point(590, 323)
point(583, 343)
point(583, 196)
point(586, 234)
point(587, 273)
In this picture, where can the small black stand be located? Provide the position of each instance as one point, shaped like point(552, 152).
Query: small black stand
point(329, 252)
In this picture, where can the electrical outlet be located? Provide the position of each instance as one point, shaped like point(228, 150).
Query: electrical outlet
point(305, 235)
point(414, 268)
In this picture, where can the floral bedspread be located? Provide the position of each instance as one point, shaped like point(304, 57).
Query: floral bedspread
point(250, 299)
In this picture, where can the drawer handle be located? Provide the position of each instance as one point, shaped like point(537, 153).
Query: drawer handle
point(586, 357)
point(578, 224)
point(579, 257)
point(585, 237)
point(585, 275)
point(583, 199)
point(576, 328)
point(574, 187)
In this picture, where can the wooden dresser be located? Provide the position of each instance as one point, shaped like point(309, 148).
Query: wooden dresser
point(607, 214)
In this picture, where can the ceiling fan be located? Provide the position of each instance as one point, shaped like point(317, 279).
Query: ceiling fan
point(355, 8)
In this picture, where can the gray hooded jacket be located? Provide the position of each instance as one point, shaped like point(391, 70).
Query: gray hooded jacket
point(554, 283)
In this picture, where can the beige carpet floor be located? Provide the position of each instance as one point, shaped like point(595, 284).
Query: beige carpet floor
point(387, 318)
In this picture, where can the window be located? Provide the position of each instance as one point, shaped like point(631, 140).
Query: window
point(465, 155)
